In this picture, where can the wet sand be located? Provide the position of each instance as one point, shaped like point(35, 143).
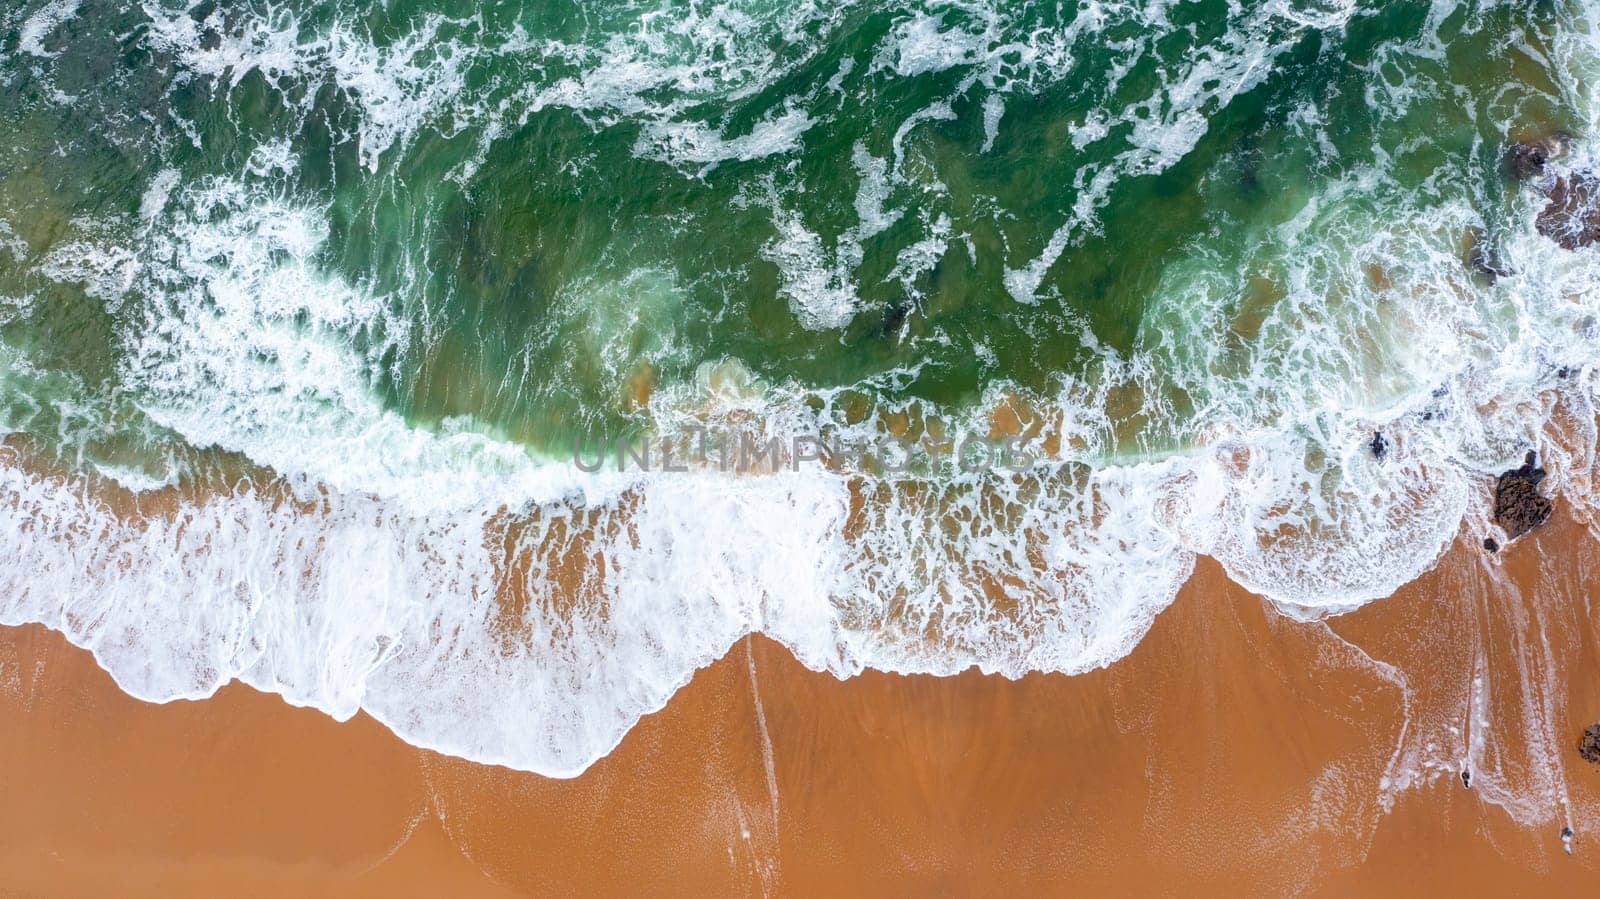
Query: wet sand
point(1235, 752)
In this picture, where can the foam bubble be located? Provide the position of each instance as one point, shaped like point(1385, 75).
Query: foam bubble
point(37, 27)
point(693, 143)
point(398, 86)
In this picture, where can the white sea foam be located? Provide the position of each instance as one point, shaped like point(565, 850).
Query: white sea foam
point(399, 86)
point(819, 290)
point(921, 45)
point(251, 349)
point(1161, 129)
point(14, 307)
point(155, 196)
point(818, 284)
point(38, 27)
point(691, 142)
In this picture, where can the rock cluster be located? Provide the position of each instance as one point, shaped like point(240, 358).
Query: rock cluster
point(1589, 746)
point(1571, 216)
point(1519, 507)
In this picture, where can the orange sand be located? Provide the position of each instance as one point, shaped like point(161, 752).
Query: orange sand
point(1233, 753)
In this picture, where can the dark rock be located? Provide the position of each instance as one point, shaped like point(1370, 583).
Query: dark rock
point(1527, 160)
point(1378, 445)
point(894, 318)
point(1466, 779)
point(1519, 507)
point(1572, 217)
point(1589, 746)
point(1250, 170)
point(1491, 544)
point(1434, 410)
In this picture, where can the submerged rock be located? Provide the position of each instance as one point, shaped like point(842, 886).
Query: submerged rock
point(1589, 746)
point(1480, 256)
point(1527, 160)
point(1572, 217)
point(895, 316)
point(1491, 544)
point(1519, 507)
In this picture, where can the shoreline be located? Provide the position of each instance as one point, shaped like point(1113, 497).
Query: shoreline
point(1233, 750)
point(1056, 450)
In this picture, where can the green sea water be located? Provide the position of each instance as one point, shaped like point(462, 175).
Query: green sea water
point(554, 201)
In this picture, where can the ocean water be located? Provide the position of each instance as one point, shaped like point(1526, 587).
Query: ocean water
point(304, 304)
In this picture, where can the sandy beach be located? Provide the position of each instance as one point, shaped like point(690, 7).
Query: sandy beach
point(1235, 752)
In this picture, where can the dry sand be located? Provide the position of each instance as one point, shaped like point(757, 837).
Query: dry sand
point(1235, 752)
